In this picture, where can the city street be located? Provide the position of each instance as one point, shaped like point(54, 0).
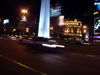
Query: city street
point(18, 59)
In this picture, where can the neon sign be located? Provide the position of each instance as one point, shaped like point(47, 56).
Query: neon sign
point(97, 25)
point(97, 2)
point(54, 11)
point(6, 21)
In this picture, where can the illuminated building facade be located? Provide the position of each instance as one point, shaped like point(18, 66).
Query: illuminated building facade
point(73, 29)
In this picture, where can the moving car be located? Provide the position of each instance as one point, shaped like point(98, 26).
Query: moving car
point(81, 43)
point(42, 43)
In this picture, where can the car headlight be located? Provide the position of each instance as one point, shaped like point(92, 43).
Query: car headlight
point(48, 45)
point(53, 45)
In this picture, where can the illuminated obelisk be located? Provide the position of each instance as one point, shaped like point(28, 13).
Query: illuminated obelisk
point(44, 21)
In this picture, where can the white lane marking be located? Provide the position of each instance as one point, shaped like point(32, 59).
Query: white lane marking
point(88, 55)
point(23, 65)
point(76, 54)
point(93, 56)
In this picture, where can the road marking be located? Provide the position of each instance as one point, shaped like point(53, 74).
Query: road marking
point(75, 54)
point(93, 56)
point(88, 55)
point(23, 65)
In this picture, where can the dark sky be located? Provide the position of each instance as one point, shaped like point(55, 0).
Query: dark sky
point(70, 8)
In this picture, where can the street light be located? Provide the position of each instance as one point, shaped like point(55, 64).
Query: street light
point(84, 31)
point(51, 28)
point(14, 29)
point(23, 17)
point(27, 29)
point(24, 11)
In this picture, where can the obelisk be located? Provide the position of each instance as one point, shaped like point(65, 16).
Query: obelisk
point(44, 21)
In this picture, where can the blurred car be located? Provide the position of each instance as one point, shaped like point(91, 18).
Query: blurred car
point(82, 43)
point(12, 37)
point(42, 43)
point(79, 42)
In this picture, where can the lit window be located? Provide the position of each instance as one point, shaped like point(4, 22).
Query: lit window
point(77, 31)
point(27, 29)
point(80, 34)
point(84, 27)
point(80, 31)
point(84, 30)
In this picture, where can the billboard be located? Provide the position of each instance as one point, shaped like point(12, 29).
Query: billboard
point(97, 25)
point(97, 2)
point(23, 18)
point(6, 21)
point(55, 11)
point(61, 20)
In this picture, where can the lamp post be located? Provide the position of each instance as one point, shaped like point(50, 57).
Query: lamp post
point(24, 12)
point(23, 20)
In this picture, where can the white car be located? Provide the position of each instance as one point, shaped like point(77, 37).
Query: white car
point(42, 43)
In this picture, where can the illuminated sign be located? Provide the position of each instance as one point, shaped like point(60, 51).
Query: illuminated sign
point(95, 13)
point(6, 21)
point(23, 18)
point(97, 2)
point(99, 6)
point(96, 37)
point(55, 11)
point(61, 20)
point(97, 25)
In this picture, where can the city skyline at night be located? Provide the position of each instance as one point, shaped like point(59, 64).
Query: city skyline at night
point(82, 10)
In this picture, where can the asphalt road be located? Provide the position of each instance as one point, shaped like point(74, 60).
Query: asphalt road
point(18, 59)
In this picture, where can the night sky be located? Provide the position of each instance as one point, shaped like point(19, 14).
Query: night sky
point(81, 9)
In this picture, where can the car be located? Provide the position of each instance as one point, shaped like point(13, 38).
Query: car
point(82, 43)
point(42, 43)
point(12, 37)
point(79, 42)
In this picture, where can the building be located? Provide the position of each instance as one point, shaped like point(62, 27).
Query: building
point(73, 29)
point(56, 21)
point(55, 29)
